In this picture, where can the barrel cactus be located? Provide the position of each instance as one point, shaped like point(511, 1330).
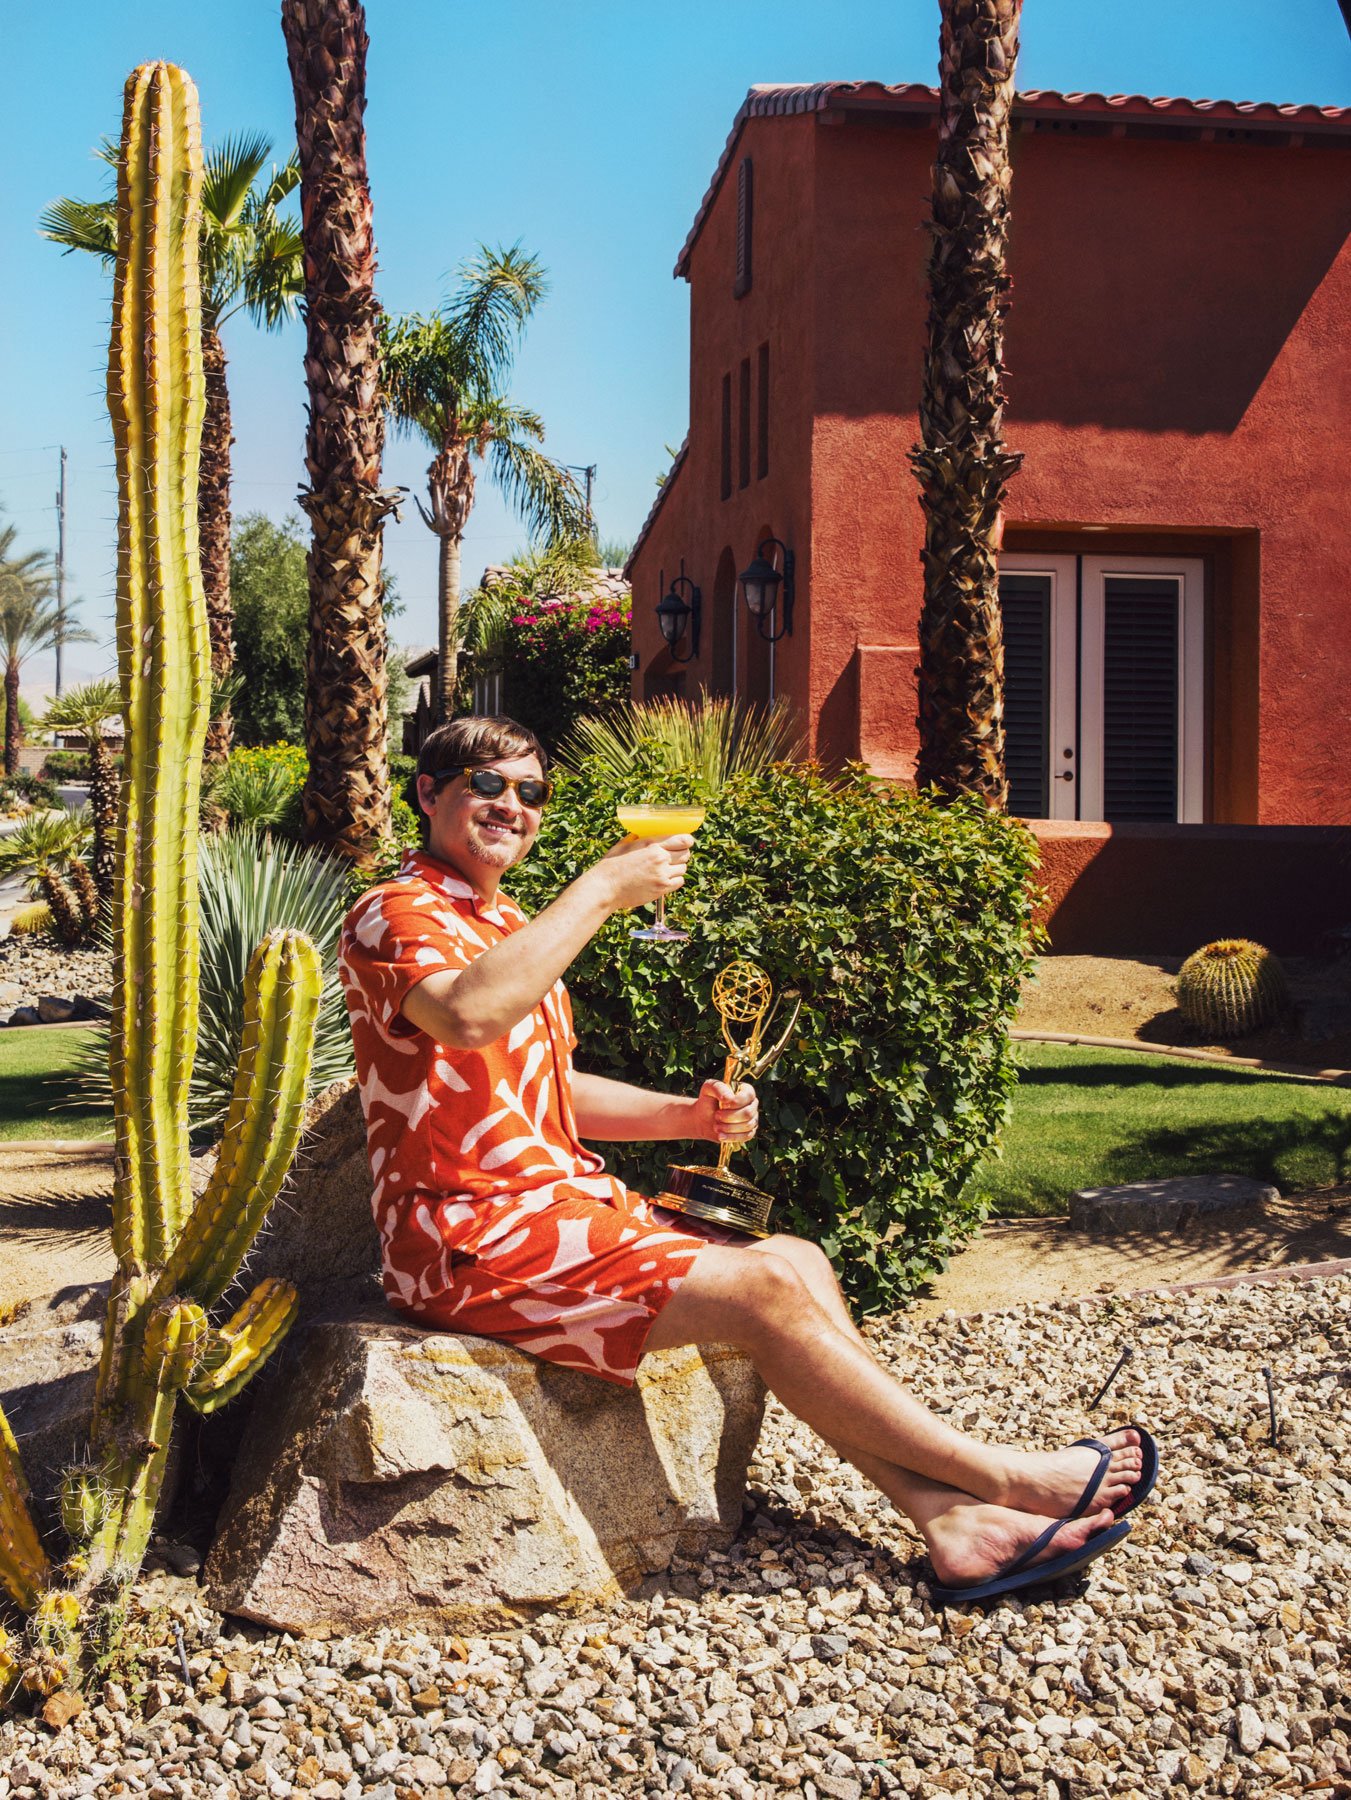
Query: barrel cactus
point(176, 1257)
point(1231, 987)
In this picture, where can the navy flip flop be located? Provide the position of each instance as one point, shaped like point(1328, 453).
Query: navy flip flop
point(1144, 1482)
point(1021, 1573)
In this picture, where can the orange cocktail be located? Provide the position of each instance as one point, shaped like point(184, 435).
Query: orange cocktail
point(661, 822)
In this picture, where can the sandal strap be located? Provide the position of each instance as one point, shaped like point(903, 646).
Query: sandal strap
point(1034, 1550)
point(1094, 1481)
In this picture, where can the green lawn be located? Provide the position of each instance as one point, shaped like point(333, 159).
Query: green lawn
point(1093, 1118)
point(38, 1092)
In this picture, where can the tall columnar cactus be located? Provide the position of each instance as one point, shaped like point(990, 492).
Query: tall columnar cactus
point(1231, 987)
point(175, 1258)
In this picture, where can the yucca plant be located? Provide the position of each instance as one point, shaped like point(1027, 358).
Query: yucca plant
point(176, 1255)
point(707, 742)
point(48, 848)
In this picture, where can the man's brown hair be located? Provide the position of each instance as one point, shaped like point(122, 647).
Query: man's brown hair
point(474, 741)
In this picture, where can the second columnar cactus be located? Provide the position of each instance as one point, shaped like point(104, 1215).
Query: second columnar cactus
point(176, 1257)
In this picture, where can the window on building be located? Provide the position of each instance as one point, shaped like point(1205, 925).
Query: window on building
point(744, 425)
point(762, 396)
point(742, 284)
point(488, 691)
point(725, 485)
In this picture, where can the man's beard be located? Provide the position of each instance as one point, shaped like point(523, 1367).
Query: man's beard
point(493, 851)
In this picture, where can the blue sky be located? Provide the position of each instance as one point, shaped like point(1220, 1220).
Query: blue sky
point(588, 132)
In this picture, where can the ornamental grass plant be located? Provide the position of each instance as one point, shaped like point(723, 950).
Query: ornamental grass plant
point(906, 925)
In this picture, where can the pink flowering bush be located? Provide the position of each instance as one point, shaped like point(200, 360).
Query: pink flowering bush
point(562, 658)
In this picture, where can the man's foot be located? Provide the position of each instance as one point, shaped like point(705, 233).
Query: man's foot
point(1049, 1482)
point(971, 1541)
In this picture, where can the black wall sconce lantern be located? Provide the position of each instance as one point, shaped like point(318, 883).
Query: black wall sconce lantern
point(674, 613)
point(767, 588)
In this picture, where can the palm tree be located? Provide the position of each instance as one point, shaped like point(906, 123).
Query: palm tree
point(31, 620)
point(47, 850)
point(250, 262)
point(962, 464)
point(87, 709)
point(443, 380)
point(346, 796)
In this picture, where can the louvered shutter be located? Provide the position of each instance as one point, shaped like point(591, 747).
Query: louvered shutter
point(1025, 602)
point(744, 208)
point(1140, 699)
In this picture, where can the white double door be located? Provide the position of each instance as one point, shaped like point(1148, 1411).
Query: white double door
point(1104, 687)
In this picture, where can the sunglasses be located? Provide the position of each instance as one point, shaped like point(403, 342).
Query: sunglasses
point(488, 784)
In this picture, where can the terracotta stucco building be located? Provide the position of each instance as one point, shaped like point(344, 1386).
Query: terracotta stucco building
point(1177, 565)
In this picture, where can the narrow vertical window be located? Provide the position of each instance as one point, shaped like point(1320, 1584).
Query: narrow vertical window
point(762, 397)
point(744, 208)
point(726, 485)
point(744, 425)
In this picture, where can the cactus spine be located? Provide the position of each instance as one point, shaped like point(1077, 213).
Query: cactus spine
point(175, 1259)
point(1231, 987)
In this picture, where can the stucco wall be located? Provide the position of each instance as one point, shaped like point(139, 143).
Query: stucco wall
point(1177, 371)
point(1167, 889)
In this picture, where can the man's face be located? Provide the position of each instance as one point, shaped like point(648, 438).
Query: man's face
point(477, 835)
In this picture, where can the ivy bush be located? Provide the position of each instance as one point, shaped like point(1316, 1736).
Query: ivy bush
point(907, 927)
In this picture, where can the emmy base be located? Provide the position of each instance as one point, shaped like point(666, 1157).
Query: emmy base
point(717, 1196)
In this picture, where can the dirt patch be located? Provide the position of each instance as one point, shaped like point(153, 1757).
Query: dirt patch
point(1018, 1261)
point(55, 1217)
point(1132, 997)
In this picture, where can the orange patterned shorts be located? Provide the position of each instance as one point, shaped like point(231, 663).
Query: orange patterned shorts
point(575, 1272)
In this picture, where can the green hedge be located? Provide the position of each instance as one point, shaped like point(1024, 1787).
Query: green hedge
point(288, 765)
point(906, 925)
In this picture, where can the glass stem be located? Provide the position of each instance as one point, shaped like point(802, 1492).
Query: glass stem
point(661, 912)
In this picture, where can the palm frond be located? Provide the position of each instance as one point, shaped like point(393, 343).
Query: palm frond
point(541, 493)
point(89, 225)
point(424, 375)
point(498, 290)
point(231, 168)
point(45, 840)
point(84, 708)
point(707, 742)
point(285, 180)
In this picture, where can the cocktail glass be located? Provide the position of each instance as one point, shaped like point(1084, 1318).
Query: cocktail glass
point(660, 822)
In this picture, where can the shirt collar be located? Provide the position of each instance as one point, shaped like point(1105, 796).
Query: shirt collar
point(443, 877)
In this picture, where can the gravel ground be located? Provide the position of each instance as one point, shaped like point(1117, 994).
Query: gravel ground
point(33, 966)
point(1208, 1655)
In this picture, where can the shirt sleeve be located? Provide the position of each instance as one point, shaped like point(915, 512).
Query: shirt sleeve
point(396, 936)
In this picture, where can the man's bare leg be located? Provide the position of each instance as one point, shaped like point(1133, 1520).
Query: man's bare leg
point(976, 1504)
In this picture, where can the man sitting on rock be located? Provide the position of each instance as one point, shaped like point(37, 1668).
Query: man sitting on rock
point(496, 1218)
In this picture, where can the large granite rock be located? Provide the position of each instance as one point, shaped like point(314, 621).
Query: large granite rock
point(1164, 1205)
point(320, 1233)
point(391, 1473)
point(49, 1359)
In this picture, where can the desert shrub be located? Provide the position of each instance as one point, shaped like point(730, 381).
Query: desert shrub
point(907, 927)
point(560, 658)
point(22, 789)
point(65, 765)
point(261, 786)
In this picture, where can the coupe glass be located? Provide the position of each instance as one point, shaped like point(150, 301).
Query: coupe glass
point(660, 822)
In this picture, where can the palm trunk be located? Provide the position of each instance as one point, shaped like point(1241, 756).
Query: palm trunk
point(448, 608)
point(103, 807)
point(346, 801)
point(962, 464)
point(13, 727)
point(213, 530)
point(450, 489)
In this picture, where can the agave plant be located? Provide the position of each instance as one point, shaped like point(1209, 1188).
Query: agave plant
point(248, 885)
point(48, 846)
point(707, 742)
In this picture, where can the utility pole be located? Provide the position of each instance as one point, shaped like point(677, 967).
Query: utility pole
point(60, 568)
